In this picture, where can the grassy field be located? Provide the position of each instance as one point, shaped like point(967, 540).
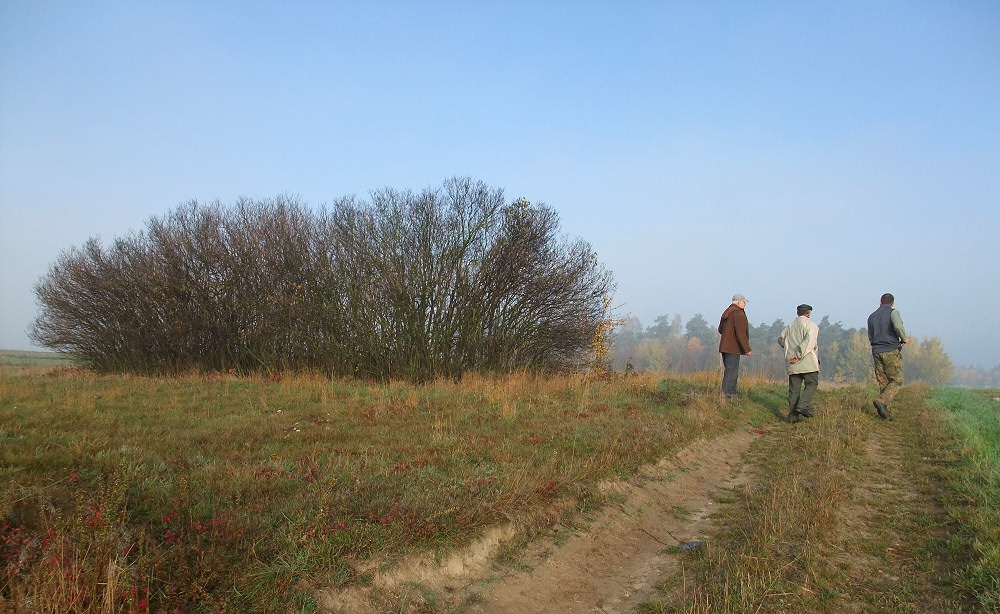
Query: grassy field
point(850, 514)
point(217, 494)
point(973, 500)
point(211, 493)
point(25, 361)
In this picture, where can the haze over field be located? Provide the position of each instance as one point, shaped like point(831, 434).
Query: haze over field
point(793, 153)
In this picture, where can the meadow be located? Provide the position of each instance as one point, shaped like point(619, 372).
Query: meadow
point(217, 493)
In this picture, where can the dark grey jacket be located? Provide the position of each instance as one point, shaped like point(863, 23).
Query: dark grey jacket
point(885, 330)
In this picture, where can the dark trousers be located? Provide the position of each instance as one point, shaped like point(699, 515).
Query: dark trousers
point(731, 364)
point(799, 399)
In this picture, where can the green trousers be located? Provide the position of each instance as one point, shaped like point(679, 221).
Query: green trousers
point(889, 373)
point(799, 399)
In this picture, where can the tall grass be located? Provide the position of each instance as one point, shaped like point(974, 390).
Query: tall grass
point(211, 493)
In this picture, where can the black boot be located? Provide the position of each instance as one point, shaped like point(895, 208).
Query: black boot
point(883, 411)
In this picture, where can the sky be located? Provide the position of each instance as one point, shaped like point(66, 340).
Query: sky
point(817, 152)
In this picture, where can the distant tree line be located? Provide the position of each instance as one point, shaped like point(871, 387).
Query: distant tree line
point(670, 346)
point(976, 377)
point(404, 285)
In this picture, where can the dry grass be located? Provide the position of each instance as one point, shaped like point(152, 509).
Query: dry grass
point(217, 494)
point(843, 514)
point(212, 493)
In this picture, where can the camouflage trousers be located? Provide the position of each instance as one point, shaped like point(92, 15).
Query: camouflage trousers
point(889, 374)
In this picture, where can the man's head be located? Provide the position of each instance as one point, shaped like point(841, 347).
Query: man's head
point(739, 300)
point(803, 310)
point(888, 299)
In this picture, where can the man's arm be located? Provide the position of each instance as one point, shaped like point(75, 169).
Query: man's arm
point(897, 323)
point(743, 333)
point(805, 344)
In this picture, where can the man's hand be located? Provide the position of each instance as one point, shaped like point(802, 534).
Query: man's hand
point(793, 359)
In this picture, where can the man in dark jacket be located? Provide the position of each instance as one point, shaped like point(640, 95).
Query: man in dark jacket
point(735, 342)
point(887, 338)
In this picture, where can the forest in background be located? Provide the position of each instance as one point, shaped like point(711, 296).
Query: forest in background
point(670, 345)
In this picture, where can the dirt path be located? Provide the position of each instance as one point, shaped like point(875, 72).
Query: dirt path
point(614, 566)
point(887, 529)
point(610, 566)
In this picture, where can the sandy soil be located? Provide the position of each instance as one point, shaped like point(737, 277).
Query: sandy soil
point(609, 566)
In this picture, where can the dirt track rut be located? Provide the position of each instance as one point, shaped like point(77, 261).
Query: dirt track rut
point(611, 565)
point(616, 563)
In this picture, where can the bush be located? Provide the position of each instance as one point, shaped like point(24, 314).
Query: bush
point(410, 286)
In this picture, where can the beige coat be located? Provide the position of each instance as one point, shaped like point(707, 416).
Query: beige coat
point(801, 341)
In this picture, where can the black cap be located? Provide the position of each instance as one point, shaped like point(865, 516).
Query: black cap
point(803, 308)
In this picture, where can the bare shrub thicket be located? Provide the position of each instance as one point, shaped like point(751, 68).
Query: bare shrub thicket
point(404, 285)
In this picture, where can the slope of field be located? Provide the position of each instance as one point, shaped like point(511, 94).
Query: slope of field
point(211, 493)
point(217, 493)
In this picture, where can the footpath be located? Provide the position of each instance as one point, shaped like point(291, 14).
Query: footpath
point(611, 565)
point(840, 513)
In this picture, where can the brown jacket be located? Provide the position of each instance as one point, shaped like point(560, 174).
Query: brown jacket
point(735, 331)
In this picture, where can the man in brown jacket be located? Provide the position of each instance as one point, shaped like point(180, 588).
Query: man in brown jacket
point(735, 342)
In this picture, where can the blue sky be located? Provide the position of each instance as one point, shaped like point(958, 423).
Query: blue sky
point(820, 152)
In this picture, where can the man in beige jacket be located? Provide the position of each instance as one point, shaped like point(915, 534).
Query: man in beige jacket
point(800, 339)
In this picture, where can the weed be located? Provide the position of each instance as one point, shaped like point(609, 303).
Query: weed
point(682, 513)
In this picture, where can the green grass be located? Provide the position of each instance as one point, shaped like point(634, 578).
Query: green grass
point(25, 361)
point(974, 488)
point(219, 494)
